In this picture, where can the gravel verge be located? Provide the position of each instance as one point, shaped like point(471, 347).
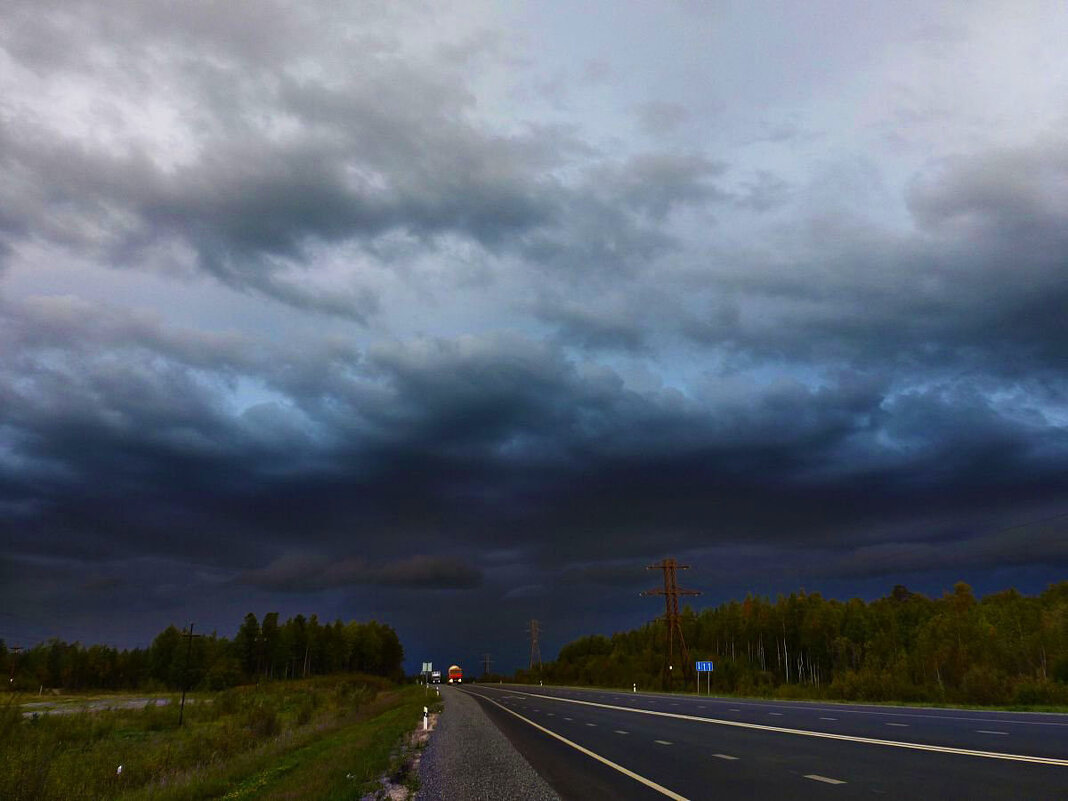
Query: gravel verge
point(468, 759)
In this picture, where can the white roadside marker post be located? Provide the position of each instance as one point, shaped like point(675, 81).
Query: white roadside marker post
point(635, 689)
point(425, 712)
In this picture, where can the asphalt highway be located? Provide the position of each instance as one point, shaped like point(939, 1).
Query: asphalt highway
point(591, 744)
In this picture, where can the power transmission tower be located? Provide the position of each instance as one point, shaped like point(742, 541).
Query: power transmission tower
point(671, 593)
point(535, 648)
point(486, 662)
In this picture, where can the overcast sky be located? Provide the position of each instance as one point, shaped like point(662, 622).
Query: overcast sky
point(456, 315)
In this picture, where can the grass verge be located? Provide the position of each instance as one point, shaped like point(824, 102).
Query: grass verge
point(324, 738)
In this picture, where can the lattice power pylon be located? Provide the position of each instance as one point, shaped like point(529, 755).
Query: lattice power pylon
point(535, 648)
point(671, 593)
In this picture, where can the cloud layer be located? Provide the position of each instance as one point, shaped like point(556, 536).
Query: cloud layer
point(358, 309)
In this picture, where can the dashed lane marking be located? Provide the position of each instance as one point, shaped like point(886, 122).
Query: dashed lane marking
point(824, 735)
point(825, 779)
point(899, 725)
point(591, 724)
point(776, 714)
point(828, 718)
point(620, 731)
point(988, 731)
point(663, 742)
point(592, 754)
point(724, 756)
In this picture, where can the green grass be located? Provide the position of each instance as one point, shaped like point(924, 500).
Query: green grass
point(323, 738)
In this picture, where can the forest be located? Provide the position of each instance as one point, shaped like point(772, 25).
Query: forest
point(298, 648)
point(1006, 648)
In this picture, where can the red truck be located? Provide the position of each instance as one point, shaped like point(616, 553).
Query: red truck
point(456, 674)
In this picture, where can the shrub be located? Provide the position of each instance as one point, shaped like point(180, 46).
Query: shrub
point(984, 685)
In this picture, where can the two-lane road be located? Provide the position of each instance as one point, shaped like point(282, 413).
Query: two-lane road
point(602, 744)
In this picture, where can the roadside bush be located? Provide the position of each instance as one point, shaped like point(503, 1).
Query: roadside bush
point(262, 720)
point(1029, 693)
point(984, 685)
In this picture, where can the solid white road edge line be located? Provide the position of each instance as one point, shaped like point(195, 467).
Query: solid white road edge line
point(593, 755)
point(940, 749)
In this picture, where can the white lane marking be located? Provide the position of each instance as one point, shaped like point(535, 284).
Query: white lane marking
point(776, 714)
point(591, 724)
point(811, 706)
point(988, 731)
point(724, 756)
point(900, 725)
point(674, 703)
point(734, 710)
point(828, 718)
point(823, 735)
point(620, 731)
point(702, 707)
point(551, 714)
point(567, 718)
point(825, 779)
point(663, 742)
point(638, 778)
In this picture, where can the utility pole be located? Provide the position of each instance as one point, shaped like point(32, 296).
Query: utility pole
point(535, 648)
point(486, 662)
point(671, 593)
point(15, 651)
point(185, 670)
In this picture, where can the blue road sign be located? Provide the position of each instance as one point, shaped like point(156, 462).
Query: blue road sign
point(704, 667)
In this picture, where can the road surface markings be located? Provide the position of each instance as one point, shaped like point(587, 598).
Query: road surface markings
point(702, 707)
point(663, 742)
point(567, 718)
point(825, 779)
point(776, 714)
point(988, 731)
point(620, 731)
point(824, 735)
point(593, 755)
point(734, 710)
point(828, 718)
point(841, 709)
point(724, 756)
point(551, 714)
point(899, 725)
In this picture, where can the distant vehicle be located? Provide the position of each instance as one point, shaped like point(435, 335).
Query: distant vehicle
point(456, 674)
point(435, 677)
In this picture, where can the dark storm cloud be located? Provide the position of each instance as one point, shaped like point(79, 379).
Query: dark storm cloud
point(575, 353)
point(307, 573)
point(278, 162)
point(474, 441)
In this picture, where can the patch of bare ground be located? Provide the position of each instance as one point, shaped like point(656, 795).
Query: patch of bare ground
point(401, 782)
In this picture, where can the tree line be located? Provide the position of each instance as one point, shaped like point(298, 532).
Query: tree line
point(269, 649)
point(1005, 648)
